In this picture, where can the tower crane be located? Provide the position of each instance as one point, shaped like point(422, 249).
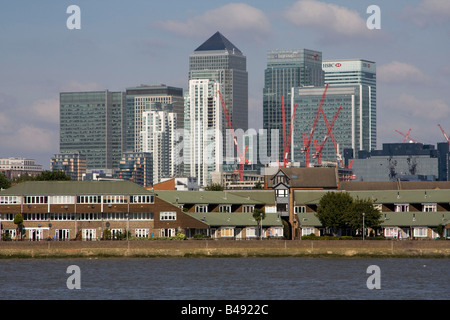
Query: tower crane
point(306, 139)
point(406, 136)
point(318, 148)
point(287, 143)
point(241, 156)
point(445, 135)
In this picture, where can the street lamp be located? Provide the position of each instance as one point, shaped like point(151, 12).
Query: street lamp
point(363, 214)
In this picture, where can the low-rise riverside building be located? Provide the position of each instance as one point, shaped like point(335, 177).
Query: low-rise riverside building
point(67, 210)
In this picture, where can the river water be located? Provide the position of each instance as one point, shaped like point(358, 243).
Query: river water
point(225, 279)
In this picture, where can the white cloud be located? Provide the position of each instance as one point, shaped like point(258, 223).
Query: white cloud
point(334, 23)
point(428, 12)
point(401, 72)
point(421, 110)
point(46, 110)
point(235, 19)
point(75, 86)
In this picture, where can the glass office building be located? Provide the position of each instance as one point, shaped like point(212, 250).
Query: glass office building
point(348, 72)
point(350, 130)
point(91, 124)
point(139, 99)
point(219, 60)
point(287, 69)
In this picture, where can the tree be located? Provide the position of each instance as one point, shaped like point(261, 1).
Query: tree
point(354, 216)
point(214, 187)
point(4, 182)
point(258, 185)
point(18, 220)
point(259, 215)
point(48, 175)
point(332, 209)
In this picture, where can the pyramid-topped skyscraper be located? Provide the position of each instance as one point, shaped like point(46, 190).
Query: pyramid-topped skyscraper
point(220, 60)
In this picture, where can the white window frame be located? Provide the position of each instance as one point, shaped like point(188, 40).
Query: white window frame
point(201, 208)
point(282, 193)
point(299, 209)
point(225, 208)
point(248, 208)
point(250, 232)
point(402, 207)
point(429, 207)
point(420, 232)
point(141, 233)
point(168, 216)
point(306, 231)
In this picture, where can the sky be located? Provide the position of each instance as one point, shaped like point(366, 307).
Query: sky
point(123, 44)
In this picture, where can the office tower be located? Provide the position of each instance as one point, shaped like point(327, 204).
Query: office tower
point(137, 167)
point(91, 124)
point(159, 137)
point(220, 60)
point(287, 69)
point(203, 124)
point(72, 164)
point(139, 99)
point(350, 130)
point(346, 72)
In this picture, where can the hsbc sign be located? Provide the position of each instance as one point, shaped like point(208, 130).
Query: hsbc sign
point(331, 65)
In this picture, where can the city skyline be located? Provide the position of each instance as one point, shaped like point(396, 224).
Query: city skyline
point(125, 45)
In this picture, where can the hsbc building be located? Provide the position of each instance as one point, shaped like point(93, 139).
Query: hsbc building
point(351, 72)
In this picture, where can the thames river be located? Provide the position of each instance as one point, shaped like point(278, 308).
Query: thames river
point(225, 279)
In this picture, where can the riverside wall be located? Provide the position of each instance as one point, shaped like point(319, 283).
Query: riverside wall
point(225, 248)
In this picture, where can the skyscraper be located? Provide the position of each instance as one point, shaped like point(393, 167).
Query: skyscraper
point(220, 60)
point(203, 123)
point(350, 130)
point(347, 72)
point(139, 99)
point(91, 124)
point(287, 69)
point(159, 137)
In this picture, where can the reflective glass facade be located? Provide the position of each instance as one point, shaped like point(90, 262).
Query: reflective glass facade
point(351, 129)
point(287, 69)
point(91, 124)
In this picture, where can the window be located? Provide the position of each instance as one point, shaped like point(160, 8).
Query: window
point(142, 199)
point(201, 208)
point(36, 200)
point(300, 209)
point(115, 199)
point(168, 216)
point(225, 208)
point(248, 208)
point(89, 199)
point(227, 232)
point(168, 232)
point(251, 232)
point(9, 200)
point(282, 193)
point(141, 233)
point(141, 216)
point(402, 208)
point(391, 232)
point(429, 207)
point(306, 231)
point(420, 231)
point(62, 234)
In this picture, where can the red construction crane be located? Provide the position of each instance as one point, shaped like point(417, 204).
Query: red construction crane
point(406, 136)
point(445, 135)
point(242, 159)
point(287, 143)
point(318, 148)
point(306, 140)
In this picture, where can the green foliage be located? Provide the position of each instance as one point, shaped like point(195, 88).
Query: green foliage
point(18, 219)
point(6, 236)
point(4, 182)
point(48, 175)
point(214, 187)
point(258, 185)
point(259, 215)
point(339, 210)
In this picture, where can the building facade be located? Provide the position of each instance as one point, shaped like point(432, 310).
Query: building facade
point(140, 99)
point(350, 72)
point(220, 60)
point(137, 167)
point(91, 124)
point(159, 137)
point(15, 167)
point(351, 129)
point(203, 128)
point(72, 164)
point(287, 69)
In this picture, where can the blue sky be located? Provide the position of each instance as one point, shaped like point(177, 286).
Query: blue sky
point(127, 43)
